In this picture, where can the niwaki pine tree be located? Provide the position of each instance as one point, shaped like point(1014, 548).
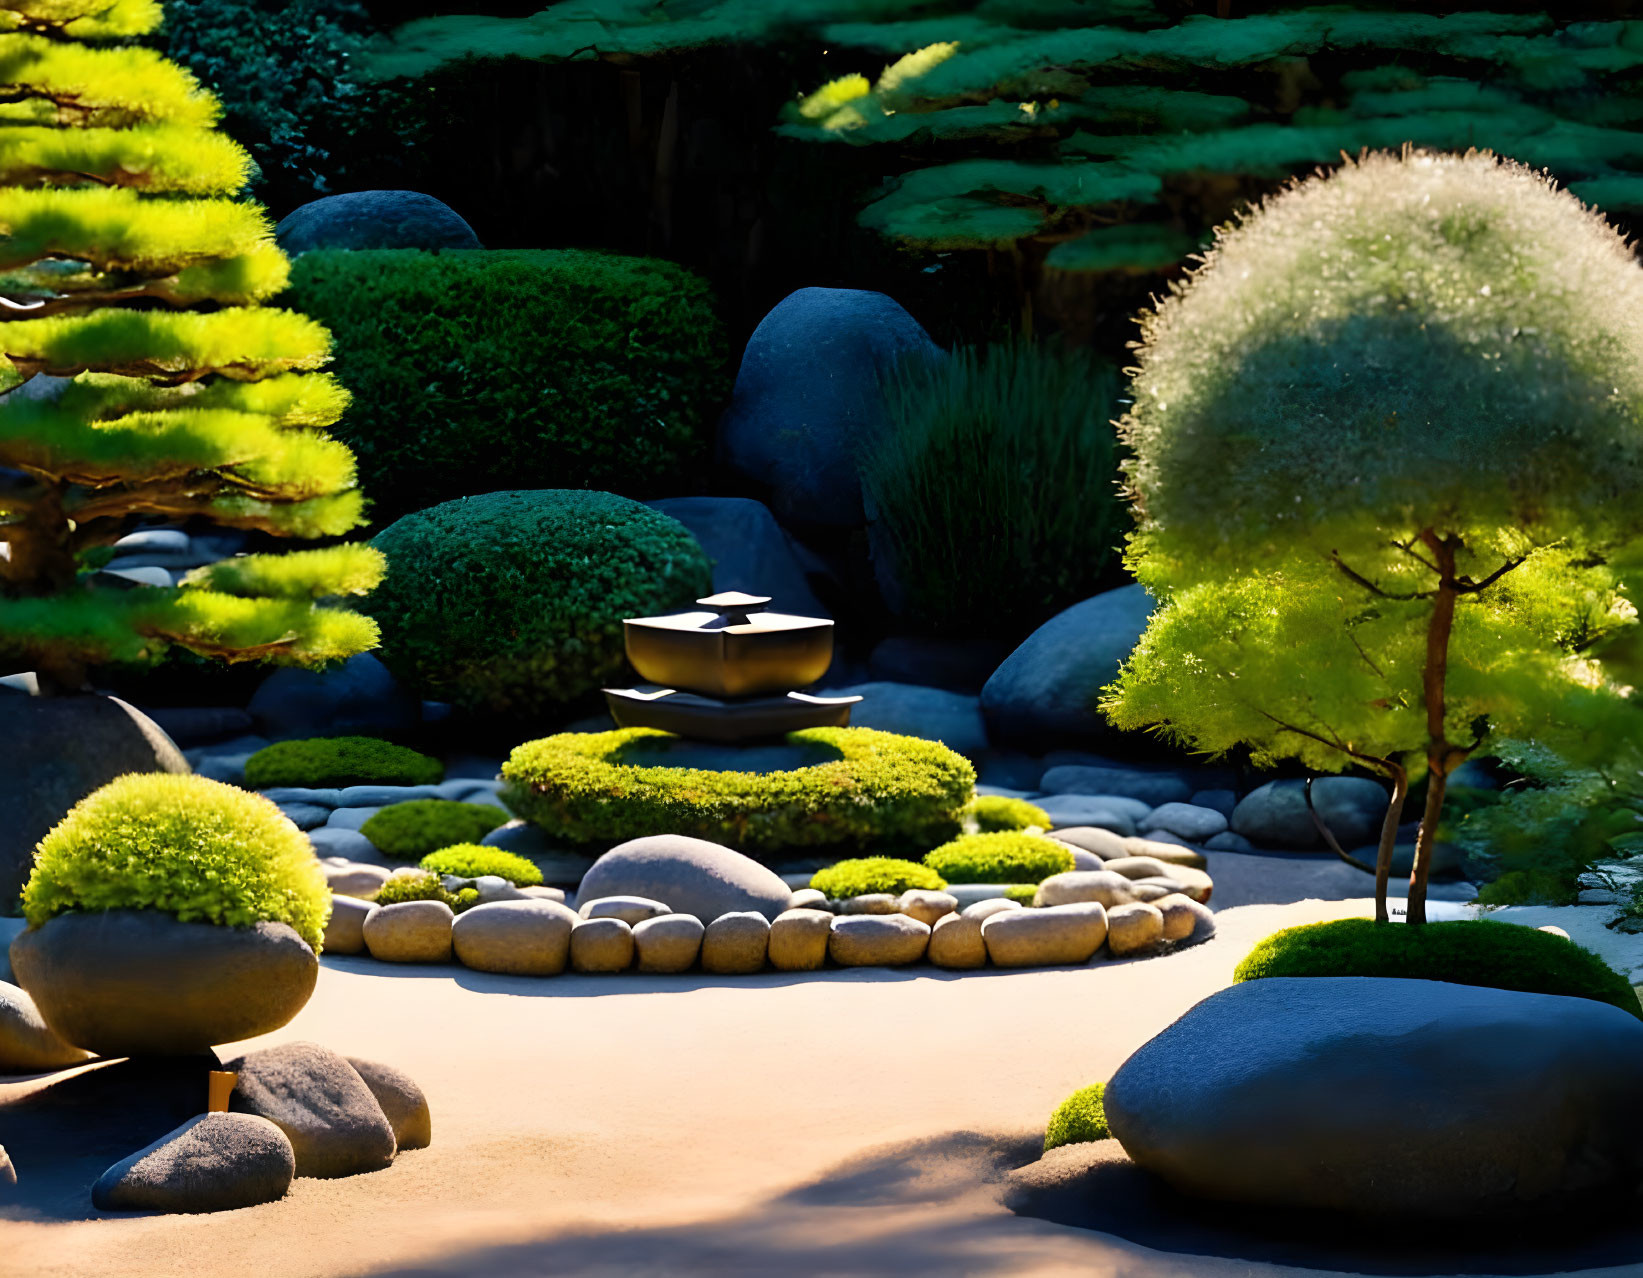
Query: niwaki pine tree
point(141, 374)
point(1404, 402)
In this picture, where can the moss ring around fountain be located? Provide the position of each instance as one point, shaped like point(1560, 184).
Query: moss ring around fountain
point(820, 787)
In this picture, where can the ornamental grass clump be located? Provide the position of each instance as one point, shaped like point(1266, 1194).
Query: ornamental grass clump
point(411, 830)
point(872, 874)
point(190, 847)
point(145, 375)
point(474, 860)
point(1386, 460)
point(1005, 857)
point(1081, 1117)
point(327, 762)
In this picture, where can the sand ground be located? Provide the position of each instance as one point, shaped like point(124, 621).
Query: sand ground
point(848, 1122)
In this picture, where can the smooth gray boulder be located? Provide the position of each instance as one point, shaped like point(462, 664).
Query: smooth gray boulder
point(374, 220)
point(1391, 1097)
point(692, 876)
point(952, 718)
point(530, 937)
point(358, 698)
point(216, 1162)
point(1184, 820)
point(749, 549)
point(956, 664)
point(1146, 786)
point(1275, 816)
point(334, 1122)
point(1045, 692)
point(807, 393)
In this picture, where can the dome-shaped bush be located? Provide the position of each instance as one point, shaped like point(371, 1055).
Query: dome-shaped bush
point(992, 813)
point(513, 602)
point(190, 847)
point(871, 874)
point(1000, 858)
point(1081, 1117)
point(322, 762)
point(410, 830)
point(473, 860)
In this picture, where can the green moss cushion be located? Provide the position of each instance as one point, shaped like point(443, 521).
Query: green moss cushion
point(194, 848)
point(992, 813)
point(1000, 858)
point(513, 602)
point(874, 789)
point(473, 860)
point(1081, 1117)
point(869, 874)
point(1502, 956)
point(322, 762)
point(477, 371)
point(410, 830)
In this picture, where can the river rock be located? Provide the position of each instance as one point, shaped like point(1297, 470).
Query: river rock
point(952, 718)
point(1106, 886)
point(374, 220)
point(798, 939)
point(808, 898)
point(410, 932)
point(216, 1162)
point(632, 910)
point(1275, 815)
point(1135, 928)
point(530, 937)
point(345, 929)
point(868, 903)
point(601, 945)
point(1194, 824)
point(956, 942)
point(334, 1123)
point(1390, 1097)
point(877, 940)
point(358, 698)
point(1185, 919)
point(986, 909)
point(1079, 810)
point(1171, 854)
point(736, 944)
point(350, 879)
point(1101, 843)
point(668, 942)
point(1053, 936)
point(926, 906)
point(693, 876)
point(27, 1044)
point(1099, 781)
point(402, 1101)
point(749, 549)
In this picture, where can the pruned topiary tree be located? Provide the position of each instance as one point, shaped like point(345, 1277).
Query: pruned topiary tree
point(141, 375)
point(1406, 400)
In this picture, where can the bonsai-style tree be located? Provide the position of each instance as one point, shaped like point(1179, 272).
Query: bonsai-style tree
point(140, 374)
point(1425, 374)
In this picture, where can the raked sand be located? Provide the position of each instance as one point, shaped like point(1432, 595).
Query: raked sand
point(755, 1125)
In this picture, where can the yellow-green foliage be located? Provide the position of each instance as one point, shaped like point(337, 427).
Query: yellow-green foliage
point(1007, 857)
point(992, 813)
point(473, 860)
point(1022, 893)
point(301, 574)
point(413, 887)
point(191, 847)
point(162, 159)
point(871, 874)
point(82, 19)
point(1081, 1117)
point(104, 87)
point(322, 762)
point(411, 830)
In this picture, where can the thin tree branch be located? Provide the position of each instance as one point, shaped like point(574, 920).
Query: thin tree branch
point(1354, 575)
point(1329, 835)
point(1416, 555)
point(1466, 586)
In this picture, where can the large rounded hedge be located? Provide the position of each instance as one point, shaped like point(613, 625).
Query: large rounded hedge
point(512, 603)
point(1502, 956)
point(478, 370)
point(881, 790)
point(193, 848)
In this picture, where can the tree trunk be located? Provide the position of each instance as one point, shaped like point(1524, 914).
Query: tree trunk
point(1439, 752)
point(1389, 839)
point(41, 563)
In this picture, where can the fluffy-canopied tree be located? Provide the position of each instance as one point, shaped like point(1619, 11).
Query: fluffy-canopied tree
point(1425, 373)
point(141, 375)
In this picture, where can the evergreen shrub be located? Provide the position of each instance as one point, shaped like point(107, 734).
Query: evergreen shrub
point(411, 830)
point(191, 847)
point(325, 762)
point(992, 813)
point(472, 860)
point(512, 603)
point(1081, 1117)
point(870, 874)
point(479, 370)
point(1004, 857)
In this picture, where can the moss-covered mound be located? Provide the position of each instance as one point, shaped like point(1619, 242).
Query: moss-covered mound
point(1081, 1117)
point(1502, 956)
point(997, 813)
point(409, 831)
point(473, 860)
point(1000, 858)
point(323, 762)
point(424, 887)
point(197, 849)
point(512, 603)
point(870, 874)
point(878, 789)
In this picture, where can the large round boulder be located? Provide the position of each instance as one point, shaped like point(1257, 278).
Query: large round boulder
point(1275, 816)
point(327, 1110)
point(749, 549)
point(1044, 693)
point(141, 983)
point(216, 1162)
point(374, 220)
point(1387, 1097)
point(692, 876)
point(808, 392)
point(952, 718)
point(357, 698)
point(54, 751)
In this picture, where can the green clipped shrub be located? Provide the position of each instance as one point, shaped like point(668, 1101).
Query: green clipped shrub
point(875, 874)
point(188, 846)
point(512, 603)
point(323, 762)
point(1026, 893)
point(414, 887)
point(1502, 956)
point(1005, 857)
point(995, 813)
point(874, 789)
point(471, 860)
point(481, 370)
point(410, 830)
point(1080, 1118)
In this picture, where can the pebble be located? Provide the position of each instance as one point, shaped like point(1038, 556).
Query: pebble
point(1108, 886)
point(877, 940)
point(1134, 929)
point(305, 816)
point(410, 932)
point(380, 796)
point(1181, 916)
point(956, 942)
point(351, 845)
point(350, 879)
point(868, 903)
point(345, 929)
point(926, 906)
point(350, 818)
point(668, 942)
point(808, 898)
point(986, 909)
point(736, 944)
point(798, 939)
point(516, 938)
point(601, 945)
point(1054, 935)
point(1185, 821)
point(283, 794)
point(632, 910)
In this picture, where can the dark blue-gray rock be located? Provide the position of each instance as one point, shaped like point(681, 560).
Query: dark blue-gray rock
point(54, 751)
point(807, 394)
point(200, 725)
point(1045, 692)
point(334, 1123)
point(1185, 820)
point(951, 718)
point(1151, 788)
point(357, 698)
point(692, 876)
point(1075, 810)
point(1448, 861)
point(1387, 1097)
point(305, 816)
point(402, 1101)
point(1227, 841)
point(142, 983)
point(959, 665)
point(1275, 815)
point(1222, 801)
point(749, 550)
point(374, 220)
point(27, 1044)
point(216, 1162)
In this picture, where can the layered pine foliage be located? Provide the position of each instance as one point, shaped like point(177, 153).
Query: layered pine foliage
point(139, 373)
